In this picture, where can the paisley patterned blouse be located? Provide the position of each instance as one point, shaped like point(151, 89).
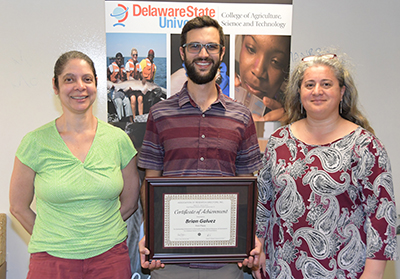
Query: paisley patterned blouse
point(324, 209)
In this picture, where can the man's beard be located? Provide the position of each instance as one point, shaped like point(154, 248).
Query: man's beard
point(201, 79)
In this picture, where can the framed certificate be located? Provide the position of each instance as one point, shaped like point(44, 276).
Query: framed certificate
point(200, 219)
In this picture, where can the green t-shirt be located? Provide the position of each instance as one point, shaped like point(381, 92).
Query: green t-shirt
point(77, 204)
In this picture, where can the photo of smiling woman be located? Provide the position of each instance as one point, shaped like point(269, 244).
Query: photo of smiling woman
point(262, 66)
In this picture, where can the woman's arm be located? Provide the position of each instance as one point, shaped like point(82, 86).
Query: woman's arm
point(21, 195)
point(376, 164)
point(373, 269)
point(130, 193)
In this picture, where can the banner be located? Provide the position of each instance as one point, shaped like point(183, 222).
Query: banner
point(144, 65)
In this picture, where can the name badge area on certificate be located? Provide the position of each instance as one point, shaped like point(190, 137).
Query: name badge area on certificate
point(200, 220)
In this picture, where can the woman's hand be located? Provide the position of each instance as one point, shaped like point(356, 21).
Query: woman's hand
point(277, 112)
point(272, 104)
point(273, 115)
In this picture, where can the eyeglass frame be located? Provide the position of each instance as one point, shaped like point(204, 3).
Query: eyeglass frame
point(313, 57)
point(203, 46)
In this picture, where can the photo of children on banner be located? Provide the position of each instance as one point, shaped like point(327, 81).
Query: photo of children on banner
point(140, 81)
point(132, 97)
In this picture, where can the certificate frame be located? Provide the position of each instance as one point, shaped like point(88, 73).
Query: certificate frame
point(162, 195)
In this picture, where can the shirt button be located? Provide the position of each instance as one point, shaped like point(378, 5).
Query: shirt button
point(202, 159)
point(203, 136)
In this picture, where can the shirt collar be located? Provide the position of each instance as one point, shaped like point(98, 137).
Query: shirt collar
point(184, 97)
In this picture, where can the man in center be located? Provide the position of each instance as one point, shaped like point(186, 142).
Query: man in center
point(199, 132)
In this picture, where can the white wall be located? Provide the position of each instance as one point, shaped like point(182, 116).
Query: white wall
point(34, 33)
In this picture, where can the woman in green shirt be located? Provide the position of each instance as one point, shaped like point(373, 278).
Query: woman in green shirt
point(84, 176)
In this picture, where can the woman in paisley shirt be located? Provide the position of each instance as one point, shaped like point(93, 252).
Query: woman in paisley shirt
point(326, 204)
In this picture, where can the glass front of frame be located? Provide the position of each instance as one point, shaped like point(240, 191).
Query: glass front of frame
point(200, 219)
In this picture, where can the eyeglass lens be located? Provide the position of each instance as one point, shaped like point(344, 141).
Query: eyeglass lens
point(196, 47)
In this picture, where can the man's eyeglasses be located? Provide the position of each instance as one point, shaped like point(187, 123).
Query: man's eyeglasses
point(135, 54)
point(324, 56)
point(211, 48)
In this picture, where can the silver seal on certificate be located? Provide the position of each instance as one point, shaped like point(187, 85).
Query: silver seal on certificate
point(200, 220)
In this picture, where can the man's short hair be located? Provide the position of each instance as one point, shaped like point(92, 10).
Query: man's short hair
point(200, 22)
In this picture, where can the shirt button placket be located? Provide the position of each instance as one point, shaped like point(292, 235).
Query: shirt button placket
point(202, 143)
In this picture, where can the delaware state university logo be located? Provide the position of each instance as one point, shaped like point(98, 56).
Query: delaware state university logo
point(120, 13)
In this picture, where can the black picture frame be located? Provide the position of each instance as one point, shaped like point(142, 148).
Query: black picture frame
point(244, 189)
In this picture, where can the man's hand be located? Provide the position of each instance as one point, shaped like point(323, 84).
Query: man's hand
point(253, 261)
point(143, 252)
